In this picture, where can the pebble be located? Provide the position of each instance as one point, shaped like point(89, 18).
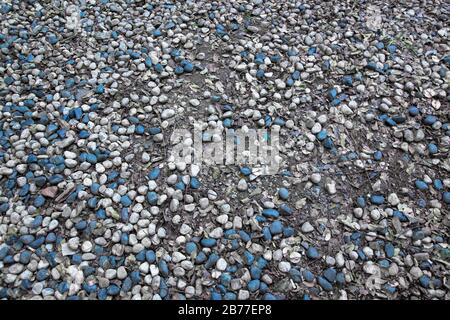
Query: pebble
point(307, 227)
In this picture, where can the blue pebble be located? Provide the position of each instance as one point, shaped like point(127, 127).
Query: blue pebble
point(76, 259)
point(326, 65)
point(413, 111)
point(437, 184)
point(124, 238)
point(52, 39)
point(225, 279)
point(312, 253)
point(295, 75)
point(330, 274)
point(4, 207)
point(276, 227)
point(283, 193)
point(25, 284)
point(155, 130)
point(288, 232)
point(26, 239)
point(421, 185)
point(347, 80)
point(135, 277)
point(152, 197)
point(163, 268)
point(84, 134)
point(179, 70)
point(154, 173)
point(141, 256)
point(328, 143)
point(230, 296)
point(102, 294)
point(312, 51)
point(187, 66)
point(261, 263)
point(379, 45)
point(430, 120)
point(332, 93)
point(389, 249)
point(191, 247)
point(140, 129)
point(4, 252)
point(253, 285)
point(89, 288)
point(148, 62)
point(159, 67)
point(50, 238)
point(389, 289)
point(100, 89)
point(39, 201)
point(361, 201)
point(212, 259)
point(246, 171)
point(295, 275)
point(42, 274)
point(180, 185)
point(201, 257)
point(260, 74)
point(25, 257)
point(377, 155)
point(327, 286)
point(400, 215)
point(195, 183)
point(113, 290)
point(267, 235)
point(125, 201)
point(100, 214)
point(271, 213)
point(340, 278)
point(418, 235)
point(392, 48)
point(62, 287)
point(432, 148)
point(216, 296)
point(286, 209)
point(227, 123)
point(150, 256)
point(244, 236)
point(446, 197)
point(377, 199)
point(248, 258)
point(425, 281)
point(81, 225)
point(92, 203)
point(390, 122)
point(437, 283)
point(269, 296)
point(37, 221)
point(255, 272)
point(208, 242)
point(422, 203)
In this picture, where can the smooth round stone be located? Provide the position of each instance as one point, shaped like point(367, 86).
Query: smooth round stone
point(307, 227)
point(312, 253)
point(283, 193)
point(284, 266)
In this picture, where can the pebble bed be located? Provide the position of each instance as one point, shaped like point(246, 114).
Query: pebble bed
point(92, 207)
